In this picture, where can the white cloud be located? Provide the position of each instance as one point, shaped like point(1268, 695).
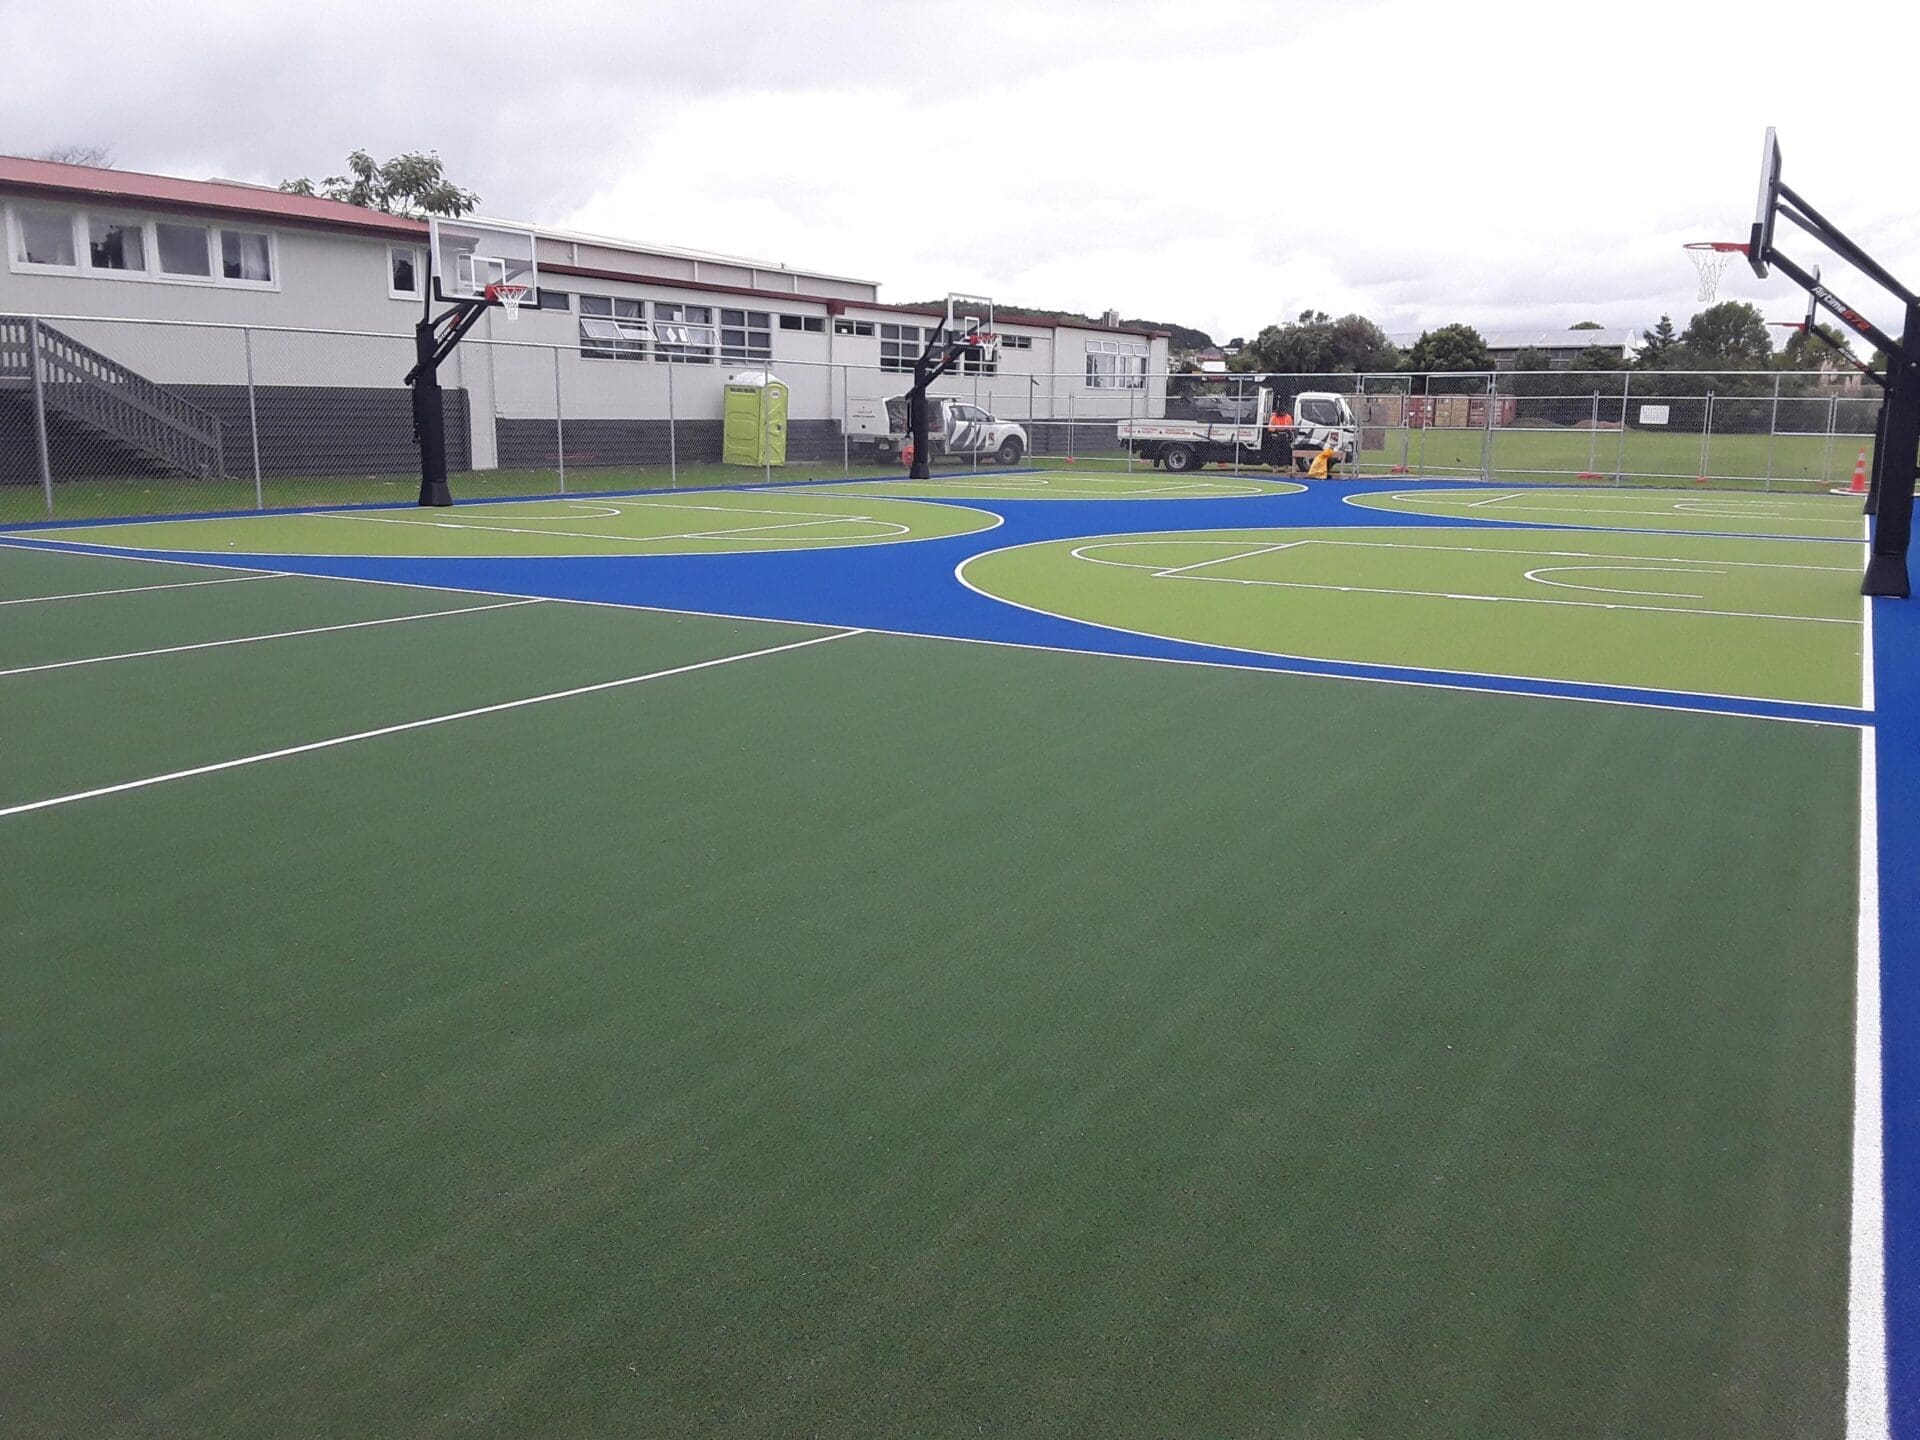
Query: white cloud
point(1223, 165)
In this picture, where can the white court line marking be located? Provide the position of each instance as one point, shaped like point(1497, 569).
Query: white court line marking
point(1674, 510)
point(1537, 575)
point(333, 742)
point(1867, 1406)
point(1222, 559)
point(252, 639)
point(1246, 667)
point(1515, 599)
point(139, 589)
point(1463, 683)
point(1866, 633)
point(1494, 499)
point(1474, 550)
point(718, 534)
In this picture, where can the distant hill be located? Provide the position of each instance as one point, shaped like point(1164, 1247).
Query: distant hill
point(1183, 337)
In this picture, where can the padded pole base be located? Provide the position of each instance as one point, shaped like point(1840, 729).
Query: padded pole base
point(1886, 575)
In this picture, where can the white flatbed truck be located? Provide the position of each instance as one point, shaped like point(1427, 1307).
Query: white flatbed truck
point(1181, 445)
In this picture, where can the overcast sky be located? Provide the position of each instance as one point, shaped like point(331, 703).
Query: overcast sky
point(1220, 164)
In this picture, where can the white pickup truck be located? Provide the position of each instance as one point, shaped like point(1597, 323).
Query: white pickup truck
point(955, 429)
point(1318, 417)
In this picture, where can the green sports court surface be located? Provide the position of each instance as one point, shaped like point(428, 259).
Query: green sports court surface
point(447, 996)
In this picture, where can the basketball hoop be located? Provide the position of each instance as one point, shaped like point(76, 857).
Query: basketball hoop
point(508, 297)
point(1711, 258)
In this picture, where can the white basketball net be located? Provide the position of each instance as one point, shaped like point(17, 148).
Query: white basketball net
point(1711, 264)
point(509, 297)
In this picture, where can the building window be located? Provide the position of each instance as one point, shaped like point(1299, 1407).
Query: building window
point(1116, 365)
point(554, 300)
point(853, 327)
point(1016, 342)
point(900, 347)
point(683, 334)
point(181, 251)
point(746, 335)
point(974, 362)
point(611, 329)
point(246, 255)
point(403, 272)
point(812, 324)
point(44, 237)
point(116, 245)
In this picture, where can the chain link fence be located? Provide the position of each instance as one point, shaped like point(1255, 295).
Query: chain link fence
point(107, 417)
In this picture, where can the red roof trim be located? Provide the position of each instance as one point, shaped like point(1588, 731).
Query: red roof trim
point(82, 184)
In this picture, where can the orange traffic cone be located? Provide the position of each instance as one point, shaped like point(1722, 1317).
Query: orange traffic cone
point(1859, 486)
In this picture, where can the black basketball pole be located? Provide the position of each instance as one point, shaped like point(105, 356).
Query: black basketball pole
point(927, 369)
point(1893, 468)
point(429, 419)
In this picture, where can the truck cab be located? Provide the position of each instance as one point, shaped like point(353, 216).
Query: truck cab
point(956, 429)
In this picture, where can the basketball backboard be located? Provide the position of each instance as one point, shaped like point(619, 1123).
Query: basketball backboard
point(1760, 241)
point(968, 313)
point(469, 254)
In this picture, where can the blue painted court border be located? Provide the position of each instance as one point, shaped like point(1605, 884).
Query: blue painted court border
point(909, 589)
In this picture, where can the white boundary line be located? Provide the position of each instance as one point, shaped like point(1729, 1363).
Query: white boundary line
point(1359, 502)
point(1866, 633)
point(1247, 667)
point(1867, 1406)
point(141, 589)
point(1096, 543)
point(40, 540)
point(312, 745)
point(254, 639)
point(959, 573)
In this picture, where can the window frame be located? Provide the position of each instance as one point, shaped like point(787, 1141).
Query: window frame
point(272, 282)
point(688, 354)
point(88, 218)
point(17, 242)
point(599, 348)
point(180, 277)
point(748, 352)
point(860, 329)
point(418, 254)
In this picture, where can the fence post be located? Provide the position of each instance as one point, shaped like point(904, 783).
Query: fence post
point(253, 417)
point(1593, 436)
point(673, 447)
point(1706, 437)
point(1833, 417)
point(1486, 440)
point(1773, 430)
point(1620, 452)
point(846, 414)
point(559, 422)
point(1130, 418)
point(1070, 454)
point(40, 413)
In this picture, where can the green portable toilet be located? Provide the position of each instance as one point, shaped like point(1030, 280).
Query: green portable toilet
point(756, 420)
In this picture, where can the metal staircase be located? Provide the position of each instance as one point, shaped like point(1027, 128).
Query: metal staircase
point(80, 383)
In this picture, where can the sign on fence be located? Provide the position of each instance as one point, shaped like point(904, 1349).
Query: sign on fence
point(1653, 414)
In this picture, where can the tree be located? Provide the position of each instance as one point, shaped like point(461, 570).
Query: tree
point(412, 184)
point(1658, 345)
point(1587, 325)
point(1531, 365)
point(1806, 352)
point(1729, 336)
point(98, 156)
point(1451, 347)
point(1599, 357)
point(1317, 344)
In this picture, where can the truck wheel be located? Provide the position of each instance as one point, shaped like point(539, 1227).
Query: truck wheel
point(1009, 451)
point(1180, 458)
